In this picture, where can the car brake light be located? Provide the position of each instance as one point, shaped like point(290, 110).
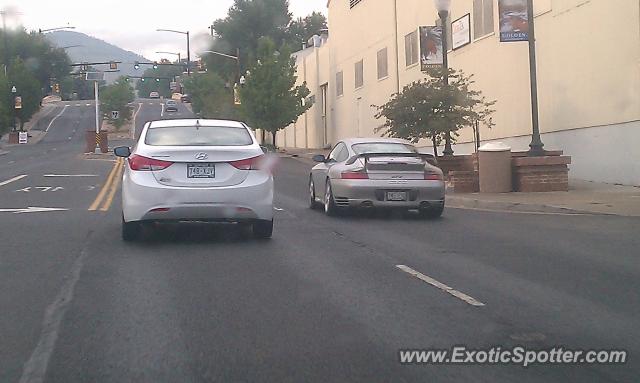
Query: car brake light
point(433, 176)
point(253, 163)
point(140, 163)
point(354, 175)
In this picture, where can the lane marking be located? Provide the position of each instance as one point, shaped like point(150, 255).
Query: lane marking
point(114, 187)
point(32, 209)
point(68, 175)
point(78, 104)
point(278, 209)
point(14, 179)
point(133, 124)
point(55, 118)
point(527, 212)
point(35, 368)
point(105, 187)
point(449, 290)
point(88, 105)
point(162, 111)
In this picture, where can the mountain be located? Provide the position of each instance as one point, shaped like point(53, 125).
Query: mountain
point(92, 49)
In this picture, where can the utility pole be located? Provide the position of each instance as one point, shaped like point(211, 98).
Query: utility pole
point(536, 146)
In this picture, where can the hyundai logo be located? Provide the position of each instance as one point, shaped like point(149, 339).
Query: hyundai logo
point(202, 156)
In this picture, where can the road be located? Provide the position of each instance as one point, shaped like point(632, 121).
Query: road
point(324, 301)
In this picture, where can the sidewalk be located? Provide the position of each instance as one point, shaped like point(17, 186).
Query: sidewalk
point(582, 197)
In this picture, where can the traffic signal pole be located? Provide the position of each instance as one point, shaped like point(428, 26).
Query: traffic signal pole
point(95, 85)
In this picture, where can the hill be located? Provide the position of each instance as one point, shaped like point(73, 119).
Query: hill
point(96, 50)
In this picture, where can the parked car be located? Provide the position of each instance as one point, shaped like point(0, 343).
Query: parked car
point(376, 173)
point(171, 106)
point(196, 170)
point(186, 98)
point(154, 95)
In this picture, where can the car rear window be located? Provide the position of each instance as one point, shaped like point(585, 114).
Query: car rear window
point(382, 147)
point(198, 136)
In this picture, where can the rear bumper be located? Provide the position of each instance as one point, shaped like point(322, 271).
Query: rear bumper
point(373, 193)
point(143, 199)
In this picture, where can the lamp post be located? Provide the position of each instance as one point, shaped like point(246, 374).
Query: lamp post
point(171, 53)
point(13, 107)
point(443, 6)
point(188, 46)
point(236, 57)
point(536, 146)
point(54, 29)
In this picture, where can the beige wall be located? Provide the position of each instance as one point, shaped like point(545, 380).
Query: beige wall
point(588, 66)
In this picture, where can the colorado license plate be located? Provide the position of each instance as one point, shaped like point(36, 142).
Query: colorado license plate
point(396, 196)
point(201, 171)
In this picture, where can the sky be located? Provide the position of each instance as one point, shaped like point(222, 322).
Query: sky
point(132, 24)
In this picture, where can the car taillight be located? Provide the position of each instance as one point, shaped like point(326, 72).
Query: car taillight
point(361, 175)
point(142, 164)
point(254, 163)
point(433, 176)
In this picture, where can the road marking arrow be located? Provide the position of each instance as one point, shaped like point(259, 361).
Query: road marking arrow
point(31, 209)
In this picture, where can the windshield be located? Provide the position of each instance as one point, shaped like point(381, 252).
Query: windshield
point(383, 147)
point(198, 136)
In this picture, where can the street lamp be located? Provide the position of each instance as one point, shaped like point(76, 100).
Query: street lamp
point(13, 107)
point(188, 46)
point(443, 6)
point(536, 146)
point(54, 29)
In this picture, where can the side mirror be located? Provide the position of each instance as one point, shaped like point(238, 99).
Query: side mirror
point(122, 151)
point(319, 158)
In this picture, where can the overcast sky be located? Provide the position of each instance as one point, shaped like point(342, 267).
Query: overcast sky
point(131, 24)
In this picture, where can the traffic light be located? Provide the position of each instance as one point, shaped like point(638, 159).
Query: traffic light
point(84, 67)
point(155, 65)
point(136, 66)
point(113, 65)
point(56, 88)
point(127, 79)
point(143, 79)
point(157, 80)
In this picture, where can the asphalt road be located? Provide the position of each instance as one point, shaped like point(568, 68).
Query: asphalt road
point(323, 301)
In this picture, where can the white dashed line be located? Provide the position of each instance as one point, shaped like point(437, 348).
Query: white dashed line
point(55, 118)
point(69, 175)
point(7, 182)
point(460, 295)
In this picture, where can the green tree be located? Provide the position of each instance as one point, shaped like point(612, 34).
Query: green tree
point(165, 73)
point(427, 109)
point(116, 97)
point(302, 29)
point(28, 88)
point(270, 99)
point(5, 104)
point(211, 97)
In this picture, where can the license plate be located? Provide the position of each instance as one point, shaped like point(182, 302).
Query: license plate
point(396, 196)
point(201, 171)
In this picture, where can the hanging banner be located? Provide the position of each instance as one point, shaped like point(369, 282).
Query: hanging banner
point(431, 47)
point(461, 31)
point(514, 20)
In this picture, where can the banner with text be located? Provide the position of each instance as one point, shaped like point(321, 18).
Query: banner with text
point(514, 20)
point(431, 55)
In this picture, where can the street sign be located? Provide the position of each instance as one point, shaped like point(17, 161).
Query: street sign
point(95, 76)
point(23, 137)
point(18, 102)
point(115, 114)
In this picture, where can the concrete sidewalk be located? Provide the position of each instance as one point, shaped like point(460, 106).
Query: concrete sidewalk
point(583, 196)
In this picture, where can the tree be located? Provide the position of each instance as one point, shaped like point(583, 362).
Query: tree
point(270, 99)
point(165, 73)
point(116, 97)
point(28, 88)
point(427, 109)
point(210, 96)
point(302, 29)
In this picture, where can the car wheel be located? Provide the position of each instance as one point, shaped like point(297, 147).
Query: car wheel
point(433, 212)
point(263, 229)
point(131, 230)
point(313, 204)
point(330, 207)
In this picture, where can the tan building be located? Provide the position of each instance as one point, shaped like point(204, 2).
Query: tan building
point(588, 74)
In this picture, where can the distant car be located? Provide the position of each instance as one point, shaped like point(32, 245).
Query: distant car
point(171, 106)
point(154, 95)
point(377, 173)
point(176, 96)
point(196, 170)
point(186, 99)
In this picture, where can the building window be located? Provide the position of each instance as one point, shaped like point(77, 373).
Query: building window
point(482, 18)
point(353, 3)
point(359, 69)
point(411, 48)
point(339, 84)
point(383, 64)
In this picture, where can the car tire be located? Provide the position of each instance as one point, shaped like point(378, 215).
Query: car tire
point(330, 207)
point(263, 229)
point(313, 204)
point(131, 231)
point(433, 212)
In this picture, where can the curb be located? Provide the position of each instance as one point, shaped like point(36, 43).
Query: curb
point(454, 201)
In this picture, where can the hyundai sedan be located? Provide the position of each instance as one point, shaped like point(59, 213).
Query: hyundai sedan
point(196, 170)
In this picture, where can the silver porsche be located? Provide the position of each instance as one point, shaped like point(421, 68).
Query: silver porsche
point(377, 173)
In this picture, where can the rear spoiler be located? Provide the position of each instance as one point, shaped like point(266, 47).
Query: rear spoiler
point(430, 158)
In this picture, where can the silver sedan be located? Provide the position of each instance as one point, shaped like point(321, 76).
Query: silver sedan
point(377, 173)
